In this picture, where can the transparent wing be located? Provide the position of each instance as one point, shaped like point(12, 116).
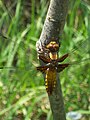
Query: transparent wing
point(18, 63)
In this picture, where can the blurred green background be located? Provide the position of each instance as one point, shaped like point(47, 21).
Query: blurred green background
point(22, 91)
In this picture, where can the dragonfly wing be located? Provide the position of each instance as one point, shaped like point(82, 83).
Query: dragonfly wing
point(42, 68)
point(61, 67)
point(44, 59)
point(61, 59)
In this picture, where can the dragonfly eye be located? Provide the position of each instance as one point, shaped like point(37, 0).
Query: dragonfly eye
point(53, 46)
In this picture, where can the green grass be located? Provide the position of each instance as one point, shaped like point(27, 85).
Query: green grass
point(22, 90)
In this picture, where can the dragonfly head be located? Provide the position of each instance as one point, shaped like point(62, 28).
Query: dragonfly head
point(53, 46)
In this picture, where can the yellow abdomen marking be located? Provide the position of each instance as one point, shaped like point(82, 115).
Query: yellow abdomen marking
point(50, 80)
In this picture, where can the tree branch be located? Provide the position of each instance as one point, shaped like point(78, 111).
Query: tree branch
point(52, 31)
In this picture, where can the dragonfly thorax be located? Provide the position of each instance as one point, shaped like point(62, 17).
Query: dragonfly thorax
point(53, 64)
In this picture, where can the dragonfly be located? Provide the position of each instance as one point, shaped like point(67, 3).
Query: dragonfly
point(51, 68)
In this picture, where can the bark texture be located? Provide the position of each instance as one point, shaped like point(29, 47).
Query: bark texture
point(52, 30)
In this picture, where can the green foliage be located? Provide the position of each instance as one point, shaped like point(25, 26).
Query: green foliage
point(22, 90)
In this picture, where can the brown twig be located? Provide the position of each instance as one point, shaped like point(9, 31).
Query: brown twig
point(52, 30)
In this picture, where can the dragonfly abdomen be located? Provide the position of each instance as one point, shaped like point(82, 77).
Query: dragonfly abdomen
point(50, 80)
